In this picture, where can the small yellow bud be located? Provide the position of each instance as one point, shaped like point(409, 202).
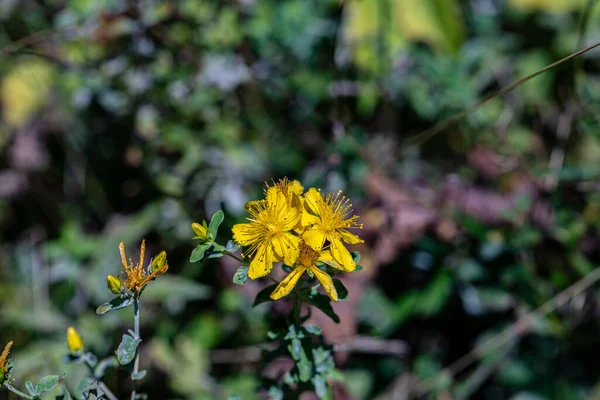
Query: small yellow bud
point(74, 341)
point(113, 284)
point(159, 261)
point(200, 230)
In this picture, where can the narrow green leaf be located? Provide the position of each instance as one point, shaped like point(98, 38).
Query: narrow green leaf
point(304, 367)
point(30, 388)
point(139, 375)
point(241, 275)
point(213, 227)
point(48, 383)
point(320, 385)
point(342, 292)
point(322, 302)
point(199, 251)
point(127, 349)
point(115, 304)
point(264, 295)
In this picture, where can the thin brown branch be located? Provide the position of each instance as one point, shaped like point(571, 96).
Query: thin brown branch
point(423, 136)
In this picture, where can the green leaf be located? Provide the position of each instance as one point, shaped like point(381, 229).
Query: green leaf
point(213, 227)
point(321, 388)
point(115, 304)
point(264, 295)
point(355, 256)
point(199, 251)
point(313, 329)
point(322, 302)
point(241, 275)
point(232, 246)
point(48, 383)
point(30, 388)
point(139, 375)
point(304, 367)
point(127, 349)
point(342, 292)
point(84, 385)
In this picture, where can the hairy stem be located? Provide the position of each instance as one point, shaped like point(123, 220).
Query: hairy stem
point(136, 329)
point(17, 392)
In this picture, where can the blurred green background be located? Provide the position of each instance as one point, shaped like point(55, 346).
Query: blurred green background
point(124, 120)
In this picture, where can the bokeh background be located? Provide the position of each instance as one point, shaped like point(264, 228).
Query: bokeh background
point(124, 120)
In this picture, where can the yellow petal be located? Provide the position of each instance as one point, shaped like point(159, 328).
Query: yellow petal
point(313, 201)
point(341, 255)
point(247, 234)
point(74, 341)
point(277, 202)
point(5, 354)
point(314, 237)
point(262, 263)
point(287, 284)
point(327, 258)
point(309, 219)
point(291, 218)
point(348, 237)
point(326, 282)
point(287, 247)
point(296, 187)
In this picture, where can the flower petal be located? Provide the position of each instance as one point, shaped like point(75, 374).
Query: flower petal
point(313, 204)
point(247, 234)
point(291, 217)
point(341, 254)
point(287, 247)
point(349, 237)
point(314, 237)
point(326, 282)
point(287, 284)
point(262, 263)
point(327, 258)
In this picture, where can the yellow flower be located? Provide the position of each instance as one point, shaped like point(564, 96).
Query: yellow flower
point(74, 341)
point(328, 219)
point(307, 260)
point(269, 233)
point(137, 276)
point(200, 230)
point(3, 362)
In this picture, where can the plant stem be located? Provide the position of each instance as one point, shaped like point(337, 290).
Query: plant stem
point(105, 389)
point(17, 392)
point(136, 328)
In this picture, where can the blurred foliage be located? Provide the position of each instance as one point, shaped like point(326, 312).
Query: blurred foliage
point(130, 120)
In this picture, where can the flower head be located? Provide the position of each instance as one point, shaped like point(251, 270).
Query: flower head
point(269, 232)
point(4, 361)
point(136, 276)
point(307, 260)
point(328, 218)
point(74, 341)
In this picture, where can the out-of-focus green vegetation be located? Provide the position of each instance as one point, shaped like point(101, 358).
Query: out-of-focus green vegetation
point(129, 120)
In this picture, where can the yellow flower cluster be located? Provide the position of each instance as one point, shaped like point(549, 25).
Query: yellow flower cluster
point(300, 229)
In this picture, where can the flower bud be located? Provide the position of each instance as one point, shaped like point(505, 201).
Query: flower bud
point(159, 261)
point(74, 341)
point(200, 230)
point(113, 284)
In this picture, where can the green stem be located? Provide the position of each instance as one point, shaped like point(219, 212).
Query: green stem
point(136, 328)
point(17, 392)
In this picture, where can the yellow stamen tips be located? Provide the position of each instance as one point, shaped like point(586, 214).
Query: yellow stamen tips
point(113, 284)
point(200, 230)
point(136, 276)
point(74, 341)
